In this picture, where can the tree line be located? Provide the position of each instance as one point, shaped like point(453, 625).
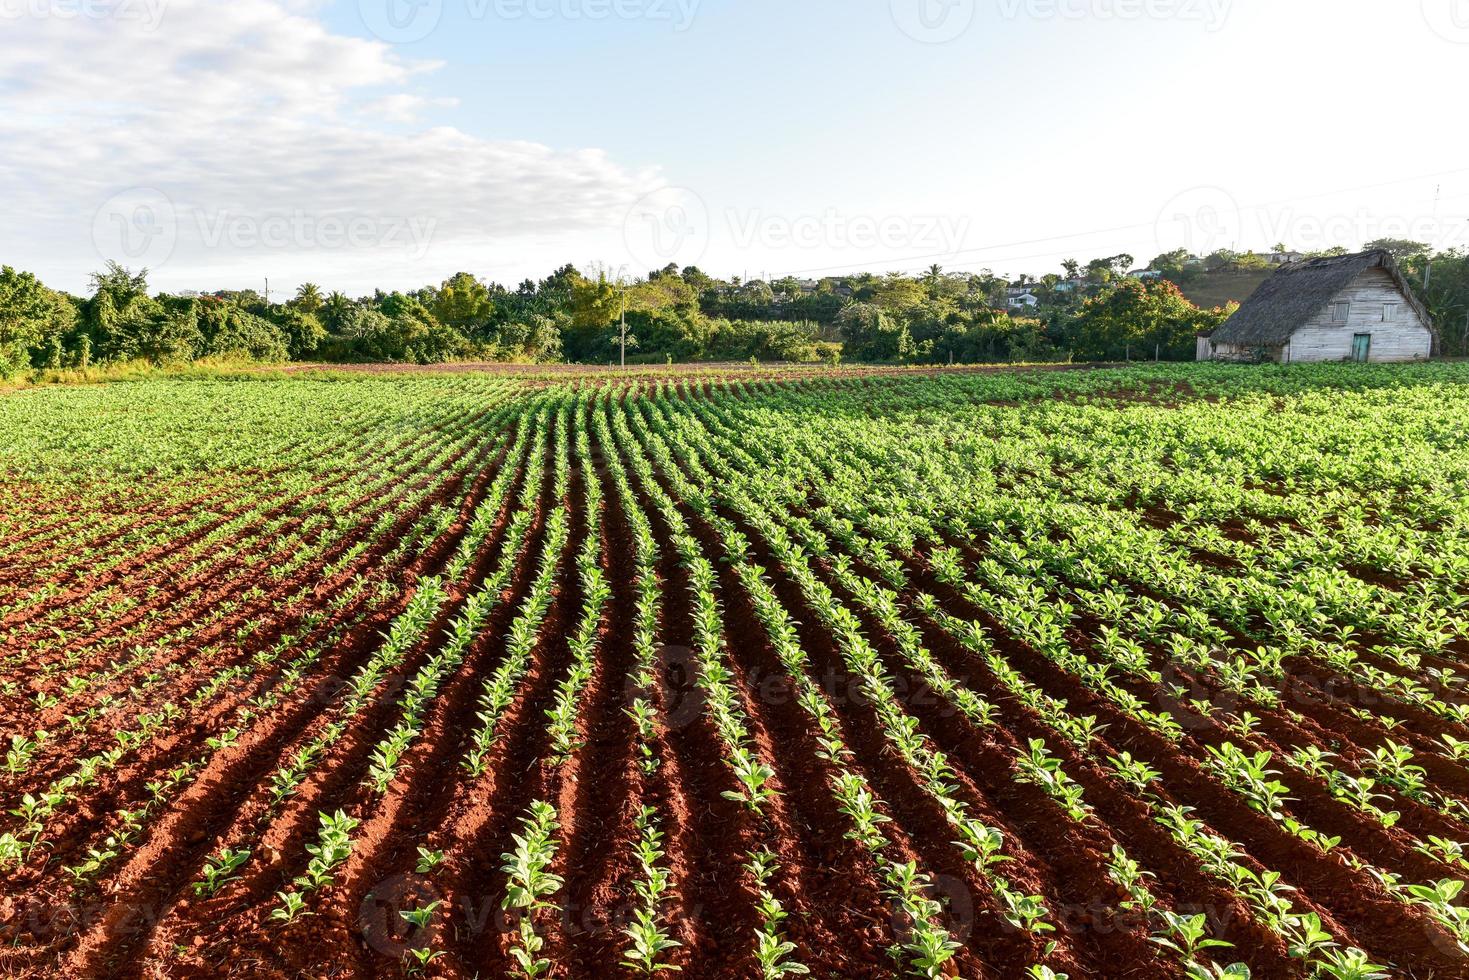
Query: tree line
point(1096, 312)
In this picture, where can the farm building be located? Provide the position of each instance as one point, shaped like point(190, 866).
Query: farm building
point(1351, 308)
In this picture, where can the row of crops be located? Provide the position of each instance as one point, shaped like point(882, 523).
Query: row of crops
point(1153, 672)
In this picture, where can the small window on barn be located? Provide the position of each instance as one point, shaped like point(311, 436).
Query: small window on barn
point(1389, 312)
point(1340, 312)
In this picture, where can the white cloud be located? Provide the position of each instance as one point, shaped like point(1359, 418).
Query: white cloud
point(403, 107)
point(272, 145)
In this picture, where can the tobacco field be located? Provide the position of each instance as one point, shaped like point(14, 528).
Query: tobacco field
point(1140, 672)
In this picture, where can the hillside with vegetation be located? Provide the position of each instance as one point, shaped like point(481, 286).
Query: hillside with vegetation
point(1222, 288)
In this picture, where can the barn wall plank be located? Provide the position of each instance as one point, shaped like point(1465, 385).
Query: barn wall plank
point(1404, 337)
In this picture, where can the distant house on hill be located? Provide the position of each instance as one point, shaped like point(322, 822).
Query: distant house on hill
point(1023, 300)
point(1351, 308)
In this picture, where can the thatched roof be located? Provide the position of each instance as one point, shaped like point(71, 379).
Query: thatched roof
point(1298, 292)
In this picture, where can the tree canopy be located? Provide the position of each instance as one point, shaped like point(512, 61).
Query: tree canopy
point(1097, 310)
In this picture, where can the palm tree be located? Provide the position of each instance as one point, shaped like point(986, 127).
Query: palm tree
point(308, 298)
point(335, 310)
point(932, 278)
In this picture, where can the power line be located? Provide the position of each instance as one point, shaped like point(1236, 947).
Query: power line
point(1115, 230)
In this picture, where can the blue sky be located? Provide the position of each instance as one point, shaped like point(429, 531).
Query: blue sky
point(300, 139)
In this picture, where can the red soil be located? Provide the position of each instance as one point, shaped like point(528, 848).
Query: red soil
point(139, 915)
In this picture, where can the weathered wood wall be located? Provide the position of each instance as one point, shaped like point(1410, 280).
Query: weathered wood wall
point(1403, 337)
point(1234, 352)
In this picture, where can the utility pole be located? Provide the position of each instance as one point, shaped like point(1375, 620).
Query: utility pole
point(1428, 259)
point(623, 333)
point(267, 292)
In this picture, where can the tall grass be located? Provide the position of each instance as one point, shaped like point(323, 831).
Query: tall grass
point(141, 370)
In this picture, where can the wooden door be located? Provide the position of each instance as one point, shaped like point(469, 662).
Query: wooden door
point(1361, 347)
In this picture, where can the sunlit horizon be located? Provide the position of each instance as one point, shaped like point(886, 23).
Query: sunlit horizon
point(388, 144)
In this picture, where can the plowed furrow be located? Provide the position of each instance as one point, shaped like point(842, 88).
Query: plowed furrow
point(206, 811)
point(597, 799)
point(1363, 913)
point(842, 921)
